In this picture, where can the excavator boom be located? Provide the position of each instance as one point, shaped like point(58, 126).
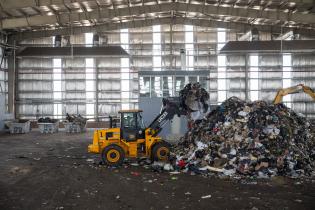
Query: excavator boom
point(294, 89)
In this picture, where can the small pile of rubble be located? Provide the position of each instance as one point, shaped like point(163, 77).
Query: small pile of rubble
point(241, 138)
point(46, 120)
point(77, 119)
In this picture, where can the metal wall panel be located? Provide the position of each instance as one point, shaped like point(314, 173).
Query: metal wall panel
point(36, 73)
point(39, 41)
point(3, 79)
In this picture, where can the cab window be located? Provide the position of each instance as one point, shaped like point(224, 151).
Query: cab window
point(129, 120)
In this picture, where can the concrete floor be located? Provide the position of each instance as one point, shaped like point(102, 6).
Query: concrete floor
point(51, 171)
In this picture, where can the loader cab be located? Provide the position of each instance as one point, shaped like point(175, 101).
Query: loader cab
point(131, 125)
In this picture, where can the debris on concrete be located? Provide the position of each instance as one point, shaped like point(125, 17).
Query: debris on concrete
point(248, 139)
point(135, 173)
point(134, 164)
point(90, 160)
point(174, 172)
point(168, 167)
point(206, 196)
point(19, 170)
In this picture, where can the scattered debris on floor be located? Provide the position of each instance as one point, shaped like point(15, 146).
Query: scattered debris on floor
point(241, 138)
point(19, 170)
point(206, 196)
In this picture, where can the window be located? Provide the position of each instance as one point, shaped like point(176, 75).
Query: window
point(88, 39)
point(89, 79)
point(222, 87)
point(157, 60)
point(254, 78)
point(287, 77)
point(221, 84)
point(125, 71)
point(124, 39)
point(167, 86)
point(89, 87)
point(144, 86)
point(221, 38)
point(179, 84)
point(57, 95)
point(189, 47)
point(129, 120)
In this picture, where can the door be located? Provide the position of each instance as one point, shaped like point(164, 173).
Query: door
point(129, 126)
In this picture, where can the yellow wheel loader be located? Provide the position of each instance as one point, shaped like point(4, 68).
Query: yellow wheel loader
point(132, 139)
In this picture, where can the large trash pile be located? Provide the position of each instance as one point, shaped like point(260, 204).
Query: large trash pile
point(241, 138)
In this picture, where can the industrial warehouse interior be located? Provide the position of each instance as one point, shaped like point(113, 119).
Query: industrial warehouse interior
point(145, 104)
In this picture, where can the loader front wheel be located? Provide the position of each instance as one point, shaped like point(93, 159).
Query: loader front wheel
point(161, 151)
point(113, 155)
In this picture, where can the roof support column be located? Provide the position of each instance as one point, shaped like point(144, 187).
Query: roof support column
point(12, 81)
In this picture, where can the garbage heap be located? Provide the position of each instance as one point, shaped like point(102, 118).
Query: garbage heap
point(46, 120)
point(241, 138)
point(76, 119)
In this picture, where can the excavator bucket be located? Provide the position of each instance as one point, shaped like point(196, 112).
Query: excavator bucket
point(195, 99)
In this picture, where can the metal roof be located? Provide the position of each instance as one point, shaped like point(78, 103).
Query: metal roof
point(130, 111)
point(269, 46)
point(46, 17)
point(73, 51)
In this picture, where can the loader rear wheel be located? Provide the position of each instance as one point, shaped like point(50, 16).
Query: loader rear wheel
point(113, 155)
point(161, 151)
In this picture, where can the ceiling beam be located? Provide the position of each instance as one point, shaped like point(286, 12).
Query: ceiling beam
point(20, 4)
point(303, 1)
point(65, 18)
point(150, 22)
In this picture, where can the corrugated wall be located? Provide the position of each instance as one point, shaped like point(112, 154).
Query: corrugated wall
point(303, 66)
point(36, 83)
point(35, 75)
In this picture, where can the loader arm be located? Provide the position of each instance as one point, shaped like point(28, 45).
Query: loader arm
point(192, 99)
point(291, 90)
point(170, 108)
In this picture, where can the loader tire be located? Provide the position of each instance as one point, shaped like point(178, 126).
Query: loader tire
point(113, 155)
point(160, 152)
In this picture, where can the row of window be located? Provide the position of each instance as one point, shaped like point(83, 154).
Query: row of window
point(164, 86)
